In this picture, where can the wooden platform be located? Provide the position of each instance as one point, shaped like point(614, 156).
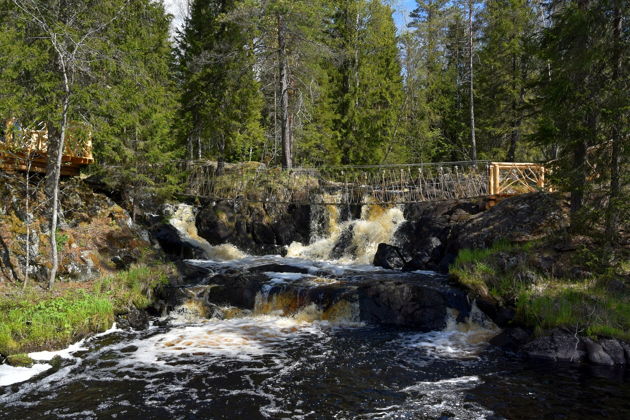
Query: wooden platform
point(24, 148)
point(17, 162)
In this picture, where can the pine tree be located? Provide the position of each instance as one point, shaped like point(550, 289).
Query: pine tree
point(133, 104)
point(577, 98)
point(426, 78)
point(293, 62)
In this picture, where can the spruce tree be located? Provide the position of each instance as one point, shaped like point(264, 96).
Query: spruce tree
point(221, 103)
point(505, 76)
point(369, 82)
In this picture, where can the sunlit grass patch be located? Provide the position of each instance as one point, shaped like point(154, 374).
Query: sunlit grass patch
point(36, 319)
point(597, 305)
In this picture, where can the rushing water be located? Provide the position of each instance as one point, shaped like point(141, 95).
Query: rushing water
point(268, 363)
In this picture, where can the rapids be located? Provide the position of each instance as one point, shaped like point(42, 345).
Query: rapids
point(287, 358)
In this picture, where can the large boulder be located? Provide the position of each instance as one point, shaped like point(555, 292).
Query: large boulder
point(403, 304)
point(389, 256)
point(254, 227)
point(520, 218)
point(558, 346)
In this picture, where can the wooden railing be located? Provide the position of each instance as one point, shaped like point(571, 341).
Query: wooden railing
point(508, 178)
point(379, 184)
point(24, 149)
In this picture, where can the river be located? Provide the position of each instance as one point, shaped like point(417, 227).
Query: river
point(288, 360)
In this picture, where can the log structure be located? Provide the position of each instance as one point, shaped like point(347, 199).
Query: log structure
point(355, 185)
point(23, 149)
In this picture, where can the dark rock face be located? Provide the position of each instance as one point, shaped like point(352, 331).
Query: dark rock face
point(520, 218)
point(563, 346)
point(435, 231)
point(408, 300)
point(255, 228)
point(402, 304)
point(134, 319)
point(596, 353)
point(559, 346)
point(614, 349)
point(174, 244)
point(277, 268)
point(426, 233)
point(390, 257)
point(511, 339)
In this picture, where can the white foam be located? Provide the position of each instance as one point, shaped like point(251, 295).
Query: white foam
point(459, 340)
point(285, 276)
point(10, 375)
point(376, 225)
point(67, 353)
point(237, 338)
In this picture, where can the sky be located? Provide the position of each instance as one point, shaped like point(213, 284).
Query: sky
point(401, 11)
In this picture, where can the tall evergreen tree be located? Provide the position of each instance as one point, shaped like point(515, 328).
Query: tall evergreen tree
point(369, 82)
point(221, 102)
point(505, 77)
point(577, 97)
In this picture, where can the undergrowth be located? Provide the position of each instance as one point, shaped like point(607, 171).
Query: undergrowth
point(39, 319)
point(596, 303)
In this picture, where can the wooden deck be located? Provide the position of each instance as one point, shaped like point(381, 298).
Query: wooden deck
point(24, 149)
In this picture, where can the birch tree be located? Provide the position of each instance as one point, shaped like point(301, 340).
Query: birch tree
point(70, 28)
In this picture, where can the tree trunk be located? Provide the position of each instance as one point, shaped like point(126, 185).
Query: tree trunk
point(612, 212)
point(287, 161)
point(53, 174)
point(473, 140)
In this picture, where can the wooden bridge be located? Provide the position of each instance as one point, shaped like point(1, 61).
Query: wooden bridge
point(26, 149)
point(355, 185)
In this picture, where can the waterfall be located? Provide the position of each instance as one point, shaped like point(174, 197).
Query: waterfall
point(353, 241)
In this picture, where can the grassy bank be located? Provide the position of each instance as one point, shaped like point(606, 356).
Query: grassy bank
point(37, 319)
point(549, 288)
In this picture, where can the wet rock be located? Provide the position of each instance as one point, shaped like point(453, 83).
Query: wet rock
point(236, 290)
point(253, 227)
point(626, 351)
point(173, 244)
point(596, 353)
point(133, 319)
point(614, 349)
point(344, 244)
point(500, 315)
point(558, 346)
point(278, 268)
point(389, 256)
point(404, 305)
point(511, 339)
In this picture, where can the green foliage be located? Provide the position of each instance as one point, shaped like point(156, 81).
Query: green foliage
point(368, 83)
point(34, 319)
point(221, 101)
point(591, 306)
point(20, 360)
point(133, 287)
point(28, 322)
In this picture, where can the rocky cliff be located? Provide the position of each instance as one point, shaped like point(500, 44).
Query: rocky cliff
point(95, 234)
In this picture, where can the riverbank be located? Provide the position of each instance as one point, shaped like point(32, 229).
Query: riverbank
point(561, 297)
point(38, 319)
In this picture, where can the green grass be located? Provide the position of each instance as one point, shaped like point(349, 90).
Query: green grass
point(593, 306)
point(35, 319)
point(20, 360)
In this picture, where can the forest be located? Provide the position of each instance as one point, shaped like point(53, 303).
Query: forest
point(326, 83)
